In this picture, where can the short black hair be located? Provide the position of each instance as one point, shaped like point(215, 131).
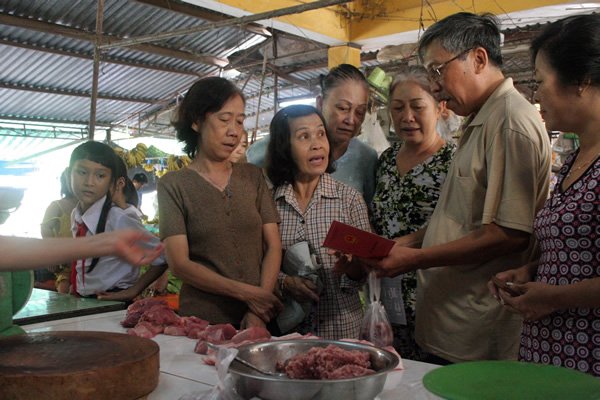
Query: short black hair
point(206, 95)
point(140, 177)
point(463, 31)
point(280, 165)
point(572, 48)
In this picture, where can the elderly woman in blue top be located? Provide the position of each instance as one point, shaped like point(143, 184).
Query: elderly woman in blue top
point(308, 199)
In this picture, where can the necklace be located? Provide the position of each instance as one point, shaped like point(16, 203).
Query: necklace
point(581, 165)
point(222, 188)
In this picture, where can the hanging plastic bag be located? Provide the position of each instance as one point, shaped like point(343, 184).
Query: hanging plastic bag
point(376, 327)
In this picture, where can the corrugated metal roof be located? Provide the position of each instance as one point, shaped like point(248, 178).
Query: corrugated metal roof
point(39, 67)
point(50, 65)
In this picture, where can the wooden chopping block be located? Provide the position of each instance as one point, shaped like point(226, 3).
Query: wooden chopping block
point(77, 365)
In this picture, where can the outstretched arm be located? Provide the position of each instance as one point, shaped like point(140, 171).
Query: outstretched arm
point(27, 253)
point(483, 244)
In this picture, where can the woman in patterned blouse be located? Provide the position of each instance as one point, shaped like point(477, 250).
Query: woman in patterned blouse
point(559, 293)
point(308, 199)
point(409, 177)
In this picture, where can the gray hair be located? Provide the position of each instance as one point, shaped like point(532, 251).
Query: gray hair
point(463, 31)
point(412, 73)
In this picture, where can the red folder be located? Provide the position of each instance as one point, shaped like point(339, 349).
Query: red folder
point(351, 240)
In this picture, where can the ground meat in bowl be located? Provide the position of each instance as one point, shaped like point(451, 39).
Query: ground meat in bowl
point(329, 362)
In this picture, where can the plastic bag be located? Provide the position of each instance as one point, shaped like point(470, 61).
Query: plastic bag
point(376, 327)
point(372, 133)
point(224, 389)
point(298, 261)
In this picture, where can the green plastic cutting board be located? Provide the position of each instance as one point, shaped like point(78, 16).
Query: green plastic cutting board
point(500, 380)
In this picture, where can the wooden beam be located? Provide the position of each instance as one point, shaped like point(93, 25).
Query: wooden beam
point(280, 61)
point(76, 93)
point(185, 8)
point(199, 12)
point(103, 57)
point(55, 29)
point(26, 118)
point(246, 53)
point(289, 78)
point(221, 24)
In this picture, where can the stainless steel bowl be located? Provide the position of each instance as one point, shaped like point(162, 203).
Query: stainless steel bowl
point(266, 355)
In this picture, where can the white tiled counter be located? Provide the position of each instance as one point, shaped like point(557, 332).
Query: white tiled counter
point(183, 372)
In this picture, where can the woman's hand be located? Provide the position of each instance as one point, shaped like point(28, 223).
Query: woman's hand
point(511, 276)
point(252, 320)
point(262, 302)
point(535, 302)
point(301, 289)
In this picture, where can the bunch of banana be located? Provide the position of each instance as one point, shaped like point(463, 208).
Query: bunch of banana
point(135, 157)
point(172, 164)
point(161, 172)
point(185, 160)
point(148, 167)
point(120, 152)
point(142, 147)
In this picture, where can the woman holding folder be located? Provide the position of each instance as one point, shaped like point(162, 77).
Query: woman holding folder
point(308, 199)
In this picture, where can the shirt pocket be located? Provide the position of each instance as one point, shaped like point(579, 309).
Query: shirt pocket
point(459, 205)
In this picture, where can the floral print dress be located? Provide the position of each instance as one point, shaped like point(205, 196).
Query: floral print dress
point(403, 204)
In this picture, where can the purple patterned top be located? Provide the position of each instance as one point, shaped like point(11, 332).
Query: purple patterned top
point(568, 233)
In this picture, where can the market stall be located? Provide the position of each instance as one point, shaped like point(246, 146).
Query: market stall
point(182, 372)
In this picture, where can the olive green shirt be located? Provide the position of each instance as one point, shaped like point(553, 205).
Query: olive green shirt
point(223, 229)
point(500, 173)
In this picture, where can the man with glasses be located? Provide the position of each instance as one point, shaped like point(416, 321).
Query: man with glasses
point(483, 220)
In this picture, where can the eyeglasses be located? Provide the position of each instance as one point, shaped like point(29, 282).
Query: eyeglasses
point(533, 85)
point(435, 73)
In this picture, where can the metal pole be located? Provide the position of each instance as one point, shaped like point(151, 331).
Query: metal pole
point(96, 71)
point(260, 93)
point(275, 78)
point(228, 22)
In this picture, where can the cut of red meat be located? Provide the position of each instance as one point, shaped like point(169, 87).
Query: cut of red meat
point(160, 315)
point(175, 330)
point(137, 309)
point(194, 326)
point(145, 329)
point(219, 333)
point(201, 347)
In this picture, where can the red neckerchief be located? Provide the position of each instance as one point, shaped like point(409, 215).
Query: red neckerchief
point(82, 231)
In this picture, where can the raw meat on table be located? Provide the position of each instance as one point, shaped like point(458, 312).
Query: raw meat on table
point(331, 362)
point(135, 310)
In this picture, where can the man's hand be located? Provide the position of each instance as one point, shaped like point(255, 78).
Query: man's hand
point(399, 261)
